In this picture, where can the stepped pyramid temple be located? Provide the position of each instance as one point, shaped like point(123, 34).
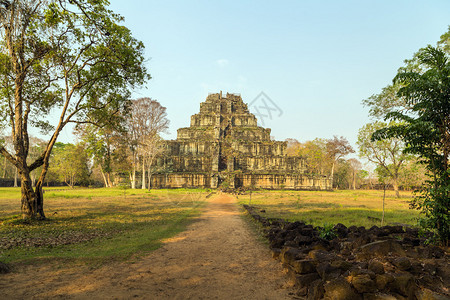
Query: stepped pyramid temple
point(225, 148)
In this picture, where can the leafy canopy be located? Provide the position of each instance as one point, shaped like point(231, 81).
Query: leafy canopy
point(425, 129)
point(69, 55)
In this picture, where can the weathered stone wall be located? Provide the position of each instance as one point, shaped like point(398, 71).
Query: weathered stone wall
point(205, 120)
point(201, 134)
point(278, 181)
point(254, 148)
point(276, 164)
point(250, 134)
point(209, 107)
point(184, 163)
point(180, 180)
point(243, 120)
point(188, 148)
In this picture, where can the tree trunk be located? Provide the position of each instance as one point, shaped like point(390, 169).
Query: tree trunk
point(143, 174)
point(104, 177)
point(332, 175)
point(70, 182)
point(28, 199)
point(133, 175)
point(4, 169)
point(40, 198)
point(395, 184)
point(132, 184)
point(354, 181)
point(150, 173)
point(149, 179)
point(15, 177)
point(384, 197)
point(32, 200)
point(108, 178)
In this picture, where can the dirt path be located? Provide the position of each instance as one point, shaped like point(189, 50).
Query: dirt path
point(218, 257)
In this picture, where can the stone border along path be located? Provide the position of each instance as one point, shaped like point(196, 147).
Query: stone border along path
point(217, 257)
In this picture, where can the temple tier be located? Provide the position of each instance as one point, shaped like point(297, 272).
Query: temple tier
point(224, 147)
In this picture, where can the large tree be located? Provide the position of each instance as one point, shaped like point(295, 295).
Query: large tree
point(62, 61)
point(148, 119)
point(425, 129)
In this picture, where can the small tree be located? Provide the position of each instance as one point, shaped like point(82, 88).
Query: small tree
point(153, 147)
point(315, 154)
point(70, 164)
point(387, 154)
point(337, 148)
point(356, 169)
point(342, 175)
point(103, 145)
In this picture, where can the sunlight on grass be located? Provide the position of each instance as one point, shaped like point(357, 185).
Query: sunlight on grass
point(360, 207)
point(99, 224)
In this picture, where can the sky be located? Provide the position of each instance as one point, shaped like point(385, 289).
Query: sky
point(315, 61)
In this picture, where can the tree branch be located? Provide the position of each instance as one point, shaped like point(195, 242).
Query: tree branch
point(9, 157)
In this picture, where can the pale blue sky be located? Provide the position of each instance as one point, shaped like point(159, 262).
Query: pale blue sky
point(315, 59)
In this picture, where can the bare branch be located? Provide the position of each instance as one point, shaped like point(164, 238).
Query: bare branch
point(9, 157)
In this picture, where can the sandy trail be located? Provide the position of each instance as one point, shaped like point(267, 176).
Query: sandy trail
point(217, 257)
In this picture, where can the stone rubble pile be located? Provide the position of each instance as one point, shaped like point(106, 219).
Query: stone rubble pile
point(389, 262)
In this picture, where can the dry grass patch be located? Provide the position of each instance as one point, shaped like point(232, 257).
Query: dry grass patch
point(359, 207)
point(95, 224)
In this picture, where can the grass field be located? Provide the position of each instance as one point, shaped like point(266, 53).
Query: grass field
point(360, 207)
point(98, 225)
point(95, 225)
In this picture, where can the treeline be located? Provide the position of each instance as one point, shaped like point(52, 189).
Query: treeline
point(327, 157)
point(117, 154)
point(392, 168)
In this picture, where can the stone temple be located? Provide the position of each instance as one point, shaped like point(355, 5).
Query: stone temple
point(224, 147)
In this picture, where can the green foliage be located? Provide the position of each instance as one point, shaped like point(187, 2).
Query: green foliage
point(70, 164)
point(387, 154)
point(322, 156)
point(444, 41)
point(72, 58)
point(341, 178)
point(413, 175)
point(327, 232)
point(315, 154)
point(363, 174)
point(384, 102)
point(425, 127)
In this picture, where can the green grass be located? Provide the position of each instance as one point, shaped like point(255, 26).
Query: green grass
point(360, 207)
point(95, 225)
point(98, 225)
